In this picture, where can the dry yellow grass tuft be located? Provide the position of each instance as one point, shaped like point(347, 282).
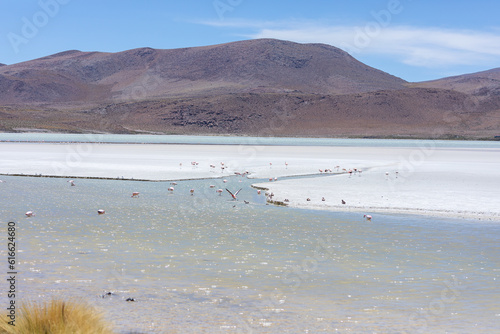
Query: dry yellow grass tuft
point(56, 317)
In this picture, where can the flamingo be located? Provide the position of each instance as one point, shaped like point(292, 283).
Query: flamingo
point(286, 165)
point(101, 212)
point(72, 182)
point(225, 181)
point(258, 192)
point(171, 189)
point(386, 175)
point(192, 192)
point(343, 202)
point(271, 179)
point(368, 217)
point(135, 194)
point(323, 199)
point(173, 183)
point(29, 214)
point(235, 194)
point(308, 199)
point(212, 186)
point(275, 179)
point(219, 191)
point(2, 181)
point(270, 165)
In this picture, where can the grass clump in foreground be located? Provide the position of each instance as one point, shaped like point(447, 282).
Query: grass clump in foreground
point(56, 317)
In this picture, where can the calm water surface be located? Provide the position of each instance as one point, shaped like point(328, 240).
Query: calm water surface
point(207, 264)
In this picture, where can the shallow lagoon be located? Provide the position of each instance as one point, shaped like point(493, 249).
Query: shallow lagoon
point(205, 263)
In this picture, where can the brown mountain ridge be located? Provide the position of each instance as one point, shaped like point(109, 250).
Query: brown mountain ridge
point(255, 87)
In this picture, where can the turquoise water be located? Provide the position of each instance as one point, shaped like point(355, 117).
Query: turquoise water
point(228, 140)
point(207, 264)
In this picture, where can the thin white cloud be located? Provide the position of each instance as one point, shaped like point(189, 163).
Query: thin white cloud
point(416, 46)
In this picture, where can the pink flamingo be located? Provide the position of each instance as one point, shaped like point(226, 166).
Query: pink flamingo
point(29, 214)
point(101, 212)
point(219, 191)
point(368, 217)
point(258, 192)
point(235, 194)
point(72, 182)
point(171, 189)
point(135, 194)
point(192, 192)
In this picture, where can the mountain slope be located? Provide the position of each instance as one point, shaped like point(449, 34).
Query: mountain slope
point(478, 84)
point(258, 87)
point(258, 65)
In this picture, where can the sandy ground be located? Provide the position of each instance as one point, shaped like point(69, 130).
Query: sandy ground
point(458, 182)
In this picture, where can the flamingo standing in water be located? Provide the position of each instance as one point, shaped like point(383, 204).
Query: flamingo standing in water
point(219, 191)
point(135, 194)
point(235, 194)
point(101, 212)
point(171, 189)
point(192, 192)
point(258, 192)
point(72, 182)
point(368, 217)
point(29, 214)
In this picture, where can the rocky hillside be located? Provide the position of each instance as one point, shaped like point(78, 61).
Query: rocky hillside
point(256, 87)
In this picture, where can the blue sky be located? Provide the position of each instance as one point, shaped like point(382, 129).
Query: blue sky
point(414, 39)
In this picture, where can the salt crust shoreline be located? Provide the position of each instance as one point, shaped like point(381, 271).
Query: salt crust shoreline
point(430, 181)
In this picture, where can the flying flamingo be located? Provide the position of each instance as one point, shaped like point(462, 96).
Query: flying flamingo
point(101, 212)
point(235, 194)
point(135, 194)
point(368, 217)
point(29, 214)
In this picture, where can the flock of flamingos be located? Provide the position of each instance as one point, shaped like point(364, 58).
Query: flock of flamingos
point(269, 196)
